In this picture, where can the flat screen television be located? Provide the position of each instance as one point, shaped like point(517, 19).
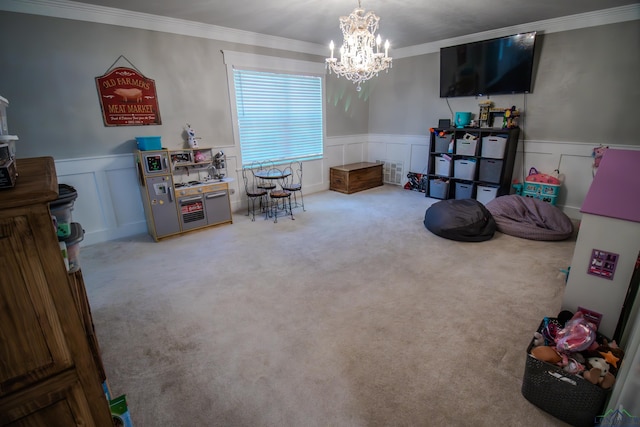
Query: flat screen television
point(491, 67)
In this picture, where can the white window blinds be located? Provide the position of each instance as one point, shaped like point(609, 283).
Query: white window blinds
point(279, 116)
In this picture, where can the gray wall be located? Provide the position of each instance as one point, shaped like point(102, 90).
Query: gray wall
point(48, 75)
point(586, 89)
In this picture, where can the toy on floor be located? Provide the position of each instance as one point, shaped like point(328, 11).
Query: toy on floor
point(535, 176)
point(571, 342)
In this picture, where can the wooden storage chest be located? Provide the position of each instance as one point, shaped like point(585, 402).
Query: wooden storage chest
point(355, 177)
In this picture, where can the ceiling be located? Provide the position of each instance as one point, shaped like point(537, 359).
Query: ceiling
point(403, 22)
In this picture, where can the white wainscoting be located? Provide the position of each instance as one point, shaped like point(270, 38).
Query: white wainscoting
point(573, 160)
point(109, 204)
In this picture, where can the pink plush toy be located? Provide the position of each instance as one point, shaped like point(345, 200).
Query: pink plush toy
point(597, 154)
point(577, 335)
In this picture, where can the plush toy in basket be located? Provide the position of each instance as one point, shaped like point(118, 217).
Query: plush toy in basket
point(570, 368)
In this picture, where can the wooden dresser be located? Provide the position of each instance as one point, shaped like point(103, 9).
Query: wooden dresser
point(49, 375)
point(355, 177)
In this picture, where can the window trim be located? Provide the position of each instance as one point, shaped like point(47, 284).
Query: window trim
point(251, 61)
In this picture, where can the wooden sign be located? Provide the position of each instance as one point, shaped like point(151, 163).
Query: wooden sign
point(127, 98)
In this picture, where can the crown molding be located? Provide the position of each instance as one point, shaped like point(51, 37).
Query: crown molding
point(106, 15)
point(67, 9)
point(566, 23)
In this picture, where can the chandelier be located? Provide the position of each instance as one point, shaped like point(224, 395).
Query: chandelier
point(360, 56)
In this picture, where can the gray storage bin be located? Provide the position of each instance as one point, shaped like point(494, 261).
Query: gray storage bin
point(464, 190)
point(442, 143)
point(490, 170)
point(438, 189)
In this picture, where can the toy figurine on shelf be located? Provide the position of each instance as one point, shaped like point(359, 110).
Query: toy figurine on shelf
point(483, 116)
point(511, 118)
point(191, 134)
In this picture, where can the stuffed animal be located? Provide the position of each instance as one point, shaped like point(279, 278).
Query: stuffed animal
point(191, 134)
point(598, 373)
point(610, 352)
point(577, 335)
point(547, 354)
point(198, 157)
point(538, 339)
point(597, 154)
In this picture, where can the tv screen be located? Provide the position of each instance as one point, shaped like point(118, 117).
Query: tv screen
point(498, 66)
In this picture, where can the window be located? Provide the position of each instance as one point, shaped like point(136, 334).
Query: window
point(277, 106)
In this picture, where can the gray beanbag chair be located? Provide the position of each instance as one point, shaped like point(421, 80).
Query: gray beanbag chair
point(465, 220)
point(529, 218)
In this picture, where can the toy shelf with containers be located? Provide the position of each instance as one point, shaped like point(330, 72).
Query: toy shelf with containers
point(471, 163)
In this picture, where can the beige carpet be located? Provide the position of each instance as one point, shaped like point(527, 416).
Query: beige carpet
point(354, 314)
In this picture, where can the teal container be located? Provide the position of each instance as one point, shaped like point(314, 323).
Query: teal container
point(146, 143)
point(462, 119)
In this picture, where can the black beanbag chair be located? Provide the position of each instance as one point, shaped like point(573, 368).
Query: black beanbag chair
point(465, 220)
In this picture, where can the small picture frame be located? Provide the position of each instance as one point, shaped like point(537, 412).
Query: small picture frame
point(603, 264)
point(496, 118)
point(444, 124)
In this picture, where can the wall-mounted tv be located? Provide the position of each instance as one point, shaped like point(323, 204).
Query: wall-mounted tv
point(498, 66)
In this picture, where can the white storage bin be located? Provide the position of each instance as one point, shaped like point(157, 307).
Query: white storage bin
point(443, 166)
point(465, 169)
point(493, 146)
point(466, 147)
point(485, 194)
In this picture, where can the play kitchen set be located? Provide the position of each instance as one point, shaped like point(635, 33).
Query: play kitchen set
point(182, 190)
point(8, 170)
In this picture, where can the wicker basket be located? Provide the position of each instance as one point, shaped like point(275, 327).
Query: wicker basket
point(567, 397)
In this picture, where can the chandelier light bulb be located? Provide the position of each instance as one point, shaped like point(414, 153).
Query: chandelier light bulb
point(360, 57)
